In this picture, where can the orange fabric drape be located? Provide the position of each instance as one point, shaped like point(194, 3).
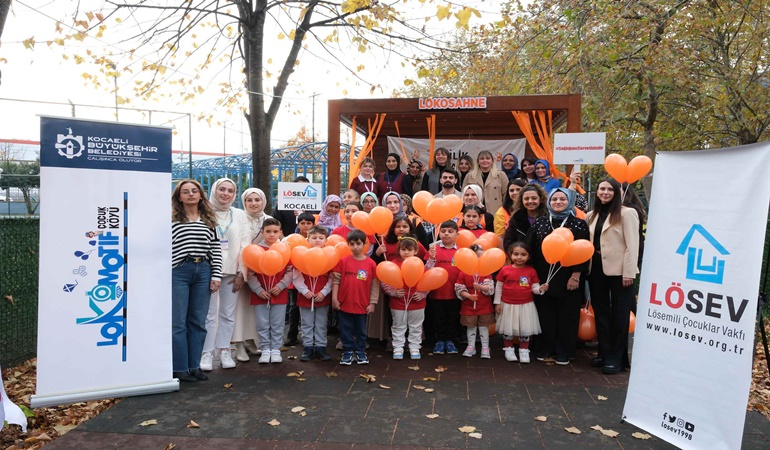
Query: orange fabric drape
point(374, 131)
point(352, 155)
point(543, 148)
point(432, 138)
point(403, 150)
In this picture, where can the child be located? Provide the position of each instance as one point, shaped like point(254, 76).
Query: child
point(350, 209)
point(313, 302)
point(477, 310)
point(305, 221)
point(514, 303)
point(365, 181)
point(471, 216)
point(369, 201)
point(270, 296)
point(354, 293)
point(408, 311)
point(443, 305)
point(330, 213)
point(401, 226)
point(351, 195)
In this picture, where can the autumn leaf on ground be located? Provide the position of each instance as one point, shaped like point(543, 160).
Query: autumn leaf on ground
point(440, 369)
point(429, 379)
point(39, 438)
point(413, 367)
point(295, 374)
point(193, 424)
point(291, 357)
point(301, 379)
point(274, 423)
point(147, 423)
point(610, 433)
point(170, 446)
point(601, 397)
point(331, 374)
point(417, 386)
point(475, 435)
point(467, 429)
point(642, 436)
point(541, 418)
point(229, 386)
point(597, 428)
point(431, 416)
point(303, 413)
point(64, 429)
point(297, 409)
point(369, 378)
point(384, 387)
point(572, 430)
point(10, 299)
point(429, 390)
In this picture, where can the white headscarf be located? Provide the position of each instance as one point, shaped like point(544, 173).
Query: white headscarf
point(219, 206)
point(479, 193)
point(261, 194)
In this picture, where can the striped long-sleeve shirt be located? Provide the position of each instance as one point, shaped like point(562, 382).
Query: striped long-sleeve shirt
point(196, 239)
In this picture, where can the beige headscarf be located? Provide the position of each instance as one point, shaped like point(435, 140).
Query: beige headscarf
point(219, 206)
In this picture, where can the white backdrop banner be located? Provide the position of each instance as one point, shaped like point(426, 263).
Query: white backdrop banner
point(420, 149)
point(698, 297)
point(104, 319)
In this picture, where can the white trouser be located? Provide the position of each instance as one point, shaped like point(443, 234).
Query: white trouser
point(411, 320)
point(220, 321)
point(271, 320)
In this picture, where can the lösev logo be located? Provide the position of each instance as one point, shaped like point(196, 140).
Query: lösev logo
point(68, 145)
point(309, 192)
point(697, 268)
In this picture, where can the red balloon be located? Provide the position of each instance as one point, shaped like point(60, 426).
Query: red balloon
point(578, 252)
point(389, 273)
point(251, 255)
point(432, 279)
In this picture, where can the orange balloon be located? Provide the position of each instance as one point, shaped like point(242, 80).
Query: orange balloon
point(271, 262)
point(315, 262)
point(298, 258)
point(492, 329)
point(455, 205)
point(467, 261)
point(420, 202)
point(432, 279)
point(381, 218)
point(617, 167)
point(438, 210)
point(631, 322)
point(586, 326)
point(361, 221)
point(554, 247)
point(638, 167)
point(284, 250)
point(332, 258)
point(566, 233)
point(492, 238)
point(295, 240)
point(411, 271)
point(251, 255)
point(343, 249)
point(484, 243)
point(334, 239)
point(389, 273)
point(578, 252)
point(465, 239)
point(491, 261)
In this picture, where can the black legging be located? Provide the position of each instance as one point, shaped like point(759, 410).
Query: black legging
point(612, 304)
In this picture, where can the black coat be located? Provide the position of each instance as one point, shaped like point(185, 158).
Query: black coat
point(518, 227)
point(542, 227)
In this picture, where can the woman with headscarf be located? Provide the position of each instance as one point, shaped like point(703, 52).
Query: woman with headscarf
point(413, 178)
point(196, 273)
point(330, 213)
point(544, 178)
point(369, 201)
point(510, 166)
point(431, 181)
point(232, 229)
point(530, 204)
point(615, 235)
point(392, 180)
point(492, 181)
point(245, 333)
point(559, 308)
point(474, 196)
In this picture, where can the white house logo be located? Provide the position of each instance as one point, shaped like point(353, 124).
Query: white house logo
point(311, 192)
point(69, 146)
point(699, 267)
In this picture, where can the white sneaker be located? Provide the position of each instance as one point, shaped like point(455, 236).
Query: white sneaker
point(469, 351)
point(264, 358)
point(398, 353)
point(485, 353)
point(275, 356)
point(226, 359)
point(207, 362)
point(524, 355)
point(510, 354)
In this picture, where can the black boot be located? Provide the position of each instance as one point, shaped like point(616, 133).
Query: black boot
point(307, 355)
point(323, 355)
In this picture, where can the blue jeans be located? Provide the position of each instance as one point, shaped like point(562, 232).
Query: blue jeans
point(352, 331)
point(190, 296)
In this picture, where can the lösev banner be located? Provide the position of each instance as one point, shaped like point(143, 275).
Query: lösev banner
point(104, 318)
point(698, 297)
point(420, 148)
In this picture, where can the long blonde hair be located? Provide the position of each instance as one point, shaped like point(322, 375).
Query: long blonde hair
point(204, 207)
point(476, 172)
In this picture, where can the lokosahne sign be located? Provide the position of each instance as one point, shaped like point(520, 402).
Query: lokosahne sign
point(299, 196)
point(579, 148)
point(452, 103)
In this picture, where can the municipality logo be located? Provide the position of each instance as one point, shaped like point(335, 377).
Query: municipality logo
point(68, 145)
point(703, 262)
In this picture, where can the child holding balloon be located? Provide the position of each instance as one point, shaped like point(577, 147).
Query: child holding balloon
point(443, 307)
point(515, 304)
point(270, 296)
point(471, 217)
point(400, 227)
point(476, 312)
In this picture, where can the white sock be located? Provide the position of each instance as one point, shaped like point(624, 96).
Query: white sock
point(471, 333)
point(484, 335)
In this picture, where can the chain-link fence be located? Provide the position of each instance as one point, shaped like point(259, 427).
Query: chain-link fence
point(19, 240)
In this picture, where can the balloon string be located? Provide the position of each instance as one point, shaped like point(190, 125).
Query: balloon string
point(313, 282)
point(548, 280)
point(475, 292)
point(406, 303)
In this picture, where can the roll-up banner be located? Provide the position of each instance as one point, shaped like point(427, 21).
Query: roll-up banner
point(104, 318)
point(697, 305)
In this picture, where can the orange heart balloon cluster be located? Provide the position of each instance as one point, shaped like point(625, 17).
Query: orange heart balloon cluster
point(466, 238)
point(561, 247)
point(491, 261)
point(627, 172)
point(267, 262)
point(436, 210)
point(376, 222)
point(411, 274)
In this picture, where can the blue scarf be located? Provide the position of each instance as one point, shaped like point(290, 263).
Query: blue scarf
point(569, 211)
point(513, 173)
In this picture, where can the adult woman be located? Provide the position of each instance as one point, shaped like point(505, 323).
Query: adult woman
point(394, 203)
point(559, 308)
point(529, 205)
point(503, 214)
point(392, 179)
point(528, 169)
point(491, 180)
point(474, 196)
point(413, 178)
point(365, 181)
point(464, 166)
point(544, 178)
point(615, 234)
point(232, 230)
point(245, 333)
point(196, 273)
point(431, 180)
point(329, 216)
point(369, 201)
point(510, 166)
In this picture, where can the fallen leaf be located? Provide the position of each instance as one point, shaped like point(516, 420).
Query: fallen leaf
point(369, 378)
point(597, 428)
point(610, 433)
point(572, 430)
point(301, 379)
point(475, 435)
point(292, 357)
point(10, 299)
point(413, 367)
point(295, 374)
point(147, 423)
point(601, 397)
point(429, 379)
point(440, 369)
point(429, 390)
point(170, 446)
point(193, 424)
point(297, 409)
point(331, 374)
point(274, 423)
point(229, 386)
point(384, 387)
point(642, 436)
point(39, 438)
point(63, 429)
point(303, 413)
point(431, 416)
point(417, 386)
point(467, 429)
point(541, 418)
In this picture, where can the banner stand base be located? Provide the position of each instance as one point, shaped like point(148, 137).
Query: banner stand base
point(38, 401)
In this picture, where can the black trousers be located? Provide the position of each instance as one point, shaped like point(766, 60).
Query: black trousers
point(445, 319)
point(559, 317)
point(292, 311)
point(612, 304)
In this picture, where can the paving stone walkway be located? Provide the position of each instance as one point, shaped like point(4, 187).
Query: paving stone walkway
point(499, 398)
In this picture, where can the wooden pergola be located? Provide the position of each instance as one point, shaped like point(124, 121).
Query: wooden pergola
point(494, 121)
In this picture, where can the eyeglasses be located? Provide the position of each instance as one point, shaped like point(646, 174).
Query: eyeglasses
point(190, 191)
